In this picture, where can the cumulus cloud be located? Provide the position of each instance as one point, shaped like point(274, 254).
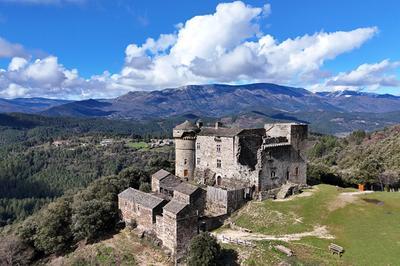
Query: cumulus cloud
point(365, 76)
point(226, 46)
point(8, 49)
point(229, 46)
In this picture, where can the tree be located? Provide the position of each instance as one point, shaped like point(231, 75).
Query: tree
point(92, 218)
point(53, 233)
point(145, 187)
point(13, 251)
point(370, 169)
point(203, 250)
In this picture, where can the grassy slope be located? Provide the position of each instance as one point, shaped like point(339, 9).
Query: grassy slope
point(370, 233)
point(124, 248)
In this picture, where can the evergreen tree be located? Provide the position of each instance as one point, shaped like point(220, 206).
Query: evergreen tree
point(203, 250)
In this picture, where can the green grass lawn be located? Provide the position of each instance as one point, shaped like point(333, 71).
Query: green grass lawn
point(369, 232)
point(137, 145)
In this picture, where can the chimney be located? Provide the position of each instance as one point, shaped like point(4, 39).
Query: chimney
point(218, 125)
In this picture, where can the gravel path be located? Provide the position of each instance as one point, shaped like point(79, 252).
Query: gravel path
point(319, 232)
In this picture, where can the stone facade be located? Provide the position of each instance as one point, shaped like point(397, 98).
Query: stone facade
point(229, 166)
point(140, 207)
point(171, 212)
point(258, 159)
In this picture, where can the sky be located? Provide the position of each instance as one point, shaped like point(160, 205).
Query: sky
point(79, 49)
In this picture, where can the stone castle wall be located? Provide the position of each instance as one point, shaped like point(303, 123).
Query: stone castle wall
point(222, 201)
point(185, 158)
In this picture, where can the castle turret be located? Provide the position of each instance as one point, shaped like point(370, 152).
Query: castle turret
point(185, 141)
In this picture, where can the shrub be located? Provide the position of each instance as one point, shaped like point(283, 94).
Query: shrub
point(203, 250)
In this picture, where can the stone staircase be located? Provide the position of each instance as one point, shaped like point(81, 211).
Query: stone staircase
point(287, 190)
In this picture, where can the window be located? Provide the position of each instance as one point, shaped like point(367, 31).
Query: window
point(296, 171)
point(198, 161)
point(185, 161)
point(272, 174)
point(218, 180)
point(198, 146)
point(185, 173)
point(218, 147)
point(219, 163)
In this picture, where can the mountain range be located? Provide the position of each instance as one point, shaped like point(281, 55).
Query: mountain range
point(340, 112)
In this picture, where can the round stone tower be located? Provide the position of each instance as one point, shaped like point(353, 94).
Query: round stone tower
point(185, 141)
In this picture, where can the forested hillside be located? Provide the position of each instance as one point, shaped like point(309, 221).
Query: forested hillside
point(361, 158)
point(34, 170)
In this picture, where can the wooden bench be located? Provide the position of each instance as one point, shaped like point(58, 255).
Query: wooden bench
point(336, 249)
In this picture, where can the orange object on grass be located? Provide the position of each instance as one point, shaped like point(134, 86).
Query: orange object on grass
point(361, 187)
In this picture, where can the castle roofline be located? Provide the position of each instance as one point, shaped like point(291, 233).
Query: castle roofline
point(161, 174)
point(145, 199)
point(175, 206)
point(186, 188)
point(219, 132)
point(187, 125)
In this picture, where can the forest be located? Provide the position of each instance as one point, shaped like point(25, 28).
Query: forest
point(34, 171)
point(369, 158)
point(60, 183)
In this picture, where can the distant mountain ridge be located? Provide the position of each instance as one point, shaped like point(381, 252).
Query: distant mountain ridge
point(212, 100)
point(29, 105)
point(344, 110)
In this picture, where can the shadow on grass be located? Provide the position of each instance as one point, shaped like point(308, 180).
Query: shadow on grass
point(228, 257)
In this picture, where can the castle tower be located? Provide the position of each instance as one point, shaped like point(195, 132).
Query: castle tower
point(185, 141)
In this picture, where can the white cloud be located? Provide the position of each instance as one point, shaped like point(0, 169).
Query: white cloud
point(8, 49)
point(364, 77)
point(226, 46)
point(17, 63)
point(14, 90)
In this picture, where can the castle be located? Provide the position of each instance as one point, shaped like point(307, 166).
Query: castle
point(217, 169)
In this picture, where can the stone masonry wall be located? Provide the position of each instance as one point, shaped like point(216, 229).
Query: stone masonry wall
point(131, 211)
point(184, 158)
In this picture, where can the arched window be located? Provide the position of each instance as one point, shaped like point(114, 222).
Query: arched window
point(219, 180)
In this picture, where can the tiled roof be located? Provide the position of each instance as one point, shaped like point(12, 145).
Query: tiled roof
point(187, 125)
point(175, 206)
point(219, 132)
point(142, 198)
point(186, 188)
point(160, 174)
point(170, 182)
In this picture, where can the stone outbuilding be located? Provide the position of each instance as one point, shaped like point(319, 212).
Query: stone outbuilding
point(177, 226)
point(140, 207)
point(164, 183)
point(192, 195)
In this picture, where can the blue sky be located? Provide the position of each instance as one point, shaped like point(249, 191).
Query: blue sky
point(78, 48)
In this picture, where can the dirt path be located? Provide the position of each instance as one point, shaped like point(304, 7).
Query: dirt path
point(345, 198)
point(319, 232)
